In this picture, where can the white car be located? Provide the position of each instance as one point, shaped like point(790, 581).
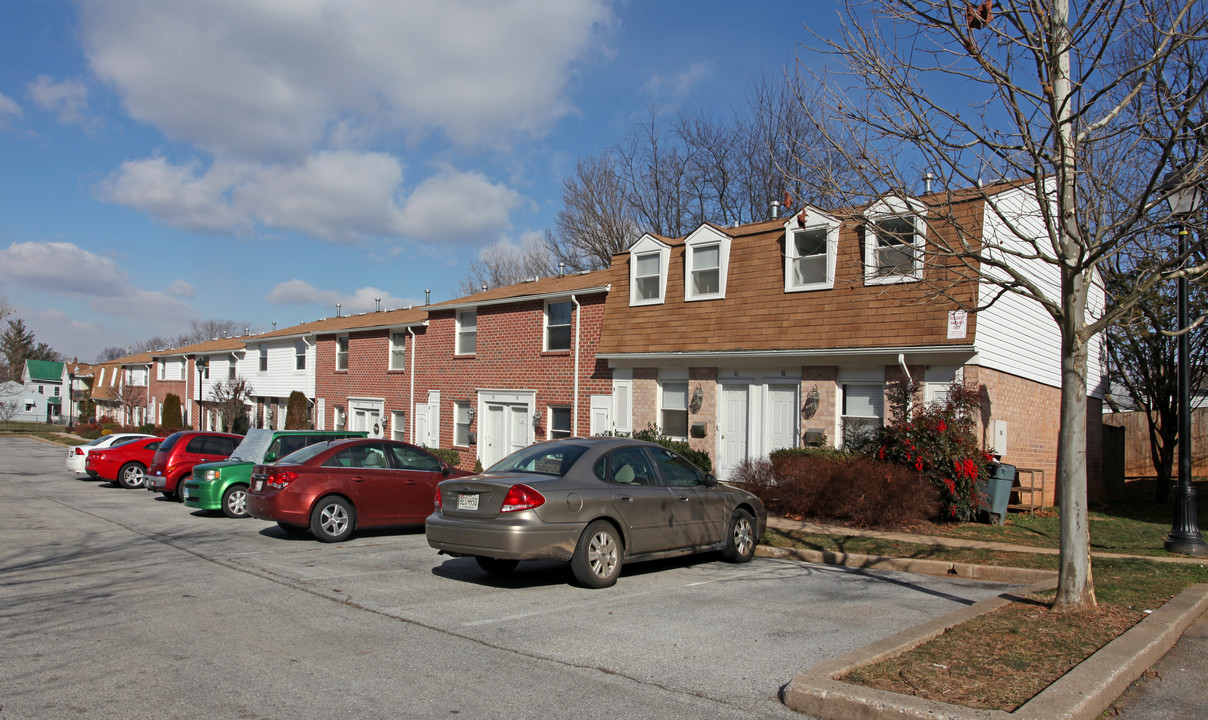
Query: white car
point(78, 454)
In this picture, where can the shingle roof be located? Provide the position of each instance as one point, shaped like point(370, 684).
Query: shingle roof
point(44, 369)
point(594, 280)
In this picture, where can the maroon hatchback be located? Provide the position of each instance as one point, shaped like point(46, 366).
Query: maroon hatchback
point(179, 452)
point(334, 488)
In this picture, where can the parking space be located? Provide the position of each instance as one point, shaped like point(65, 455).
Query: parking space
point(92, 571)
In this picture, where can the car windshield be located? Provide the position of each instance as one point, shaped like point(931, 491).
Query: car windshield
point(306, 453)
point(541, 459)
point(253, 445)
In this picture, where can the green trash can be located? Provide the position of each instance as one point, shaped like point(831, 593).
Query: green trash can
point(994, 493)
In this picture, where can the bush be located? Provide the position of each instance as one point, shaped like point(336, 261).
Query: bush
point(653, 433)
point(839, 486)
point(938, 441)
point(297, 412)
point(452, 457)
point(147, 428)
point(172, 417)
point(91, 431)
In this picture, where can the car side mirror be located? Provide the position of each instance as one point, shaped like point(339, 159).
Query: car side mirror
point(711, 480)
point(270, 457)
point(445, 469)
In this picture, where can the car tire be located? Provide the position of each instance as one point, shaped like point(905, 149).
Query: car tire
point(179, 493)
point(598, 556)
point(168, 494)
point(234, 501)
point(291, 530)
point(740, 537)
point(496, 566)
point(132, 475)
point(332, 520)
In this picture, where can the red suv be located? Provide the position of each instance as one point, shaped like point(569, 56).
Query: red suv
point(175, 458)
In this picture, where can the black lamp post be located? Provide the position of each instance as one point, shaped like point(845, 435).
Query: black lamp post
point(70, 399)
point(201, 364)
point(1184, 537)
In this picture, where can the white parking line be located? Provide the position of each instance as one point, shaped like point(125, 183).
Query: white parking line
point(611, 599)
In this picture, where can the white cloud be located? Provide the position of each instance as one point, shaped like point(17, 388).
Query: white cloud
point(8, 107)
point(62, 267)
point(181, 288)
point(340, 196)
point(272, 79)
point(66, 269)
point(675, 87)
point(67, 99)
point(300, 292)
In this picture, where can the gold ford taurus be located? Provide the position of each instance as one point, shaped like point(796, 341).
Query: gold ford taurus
point(595, 502)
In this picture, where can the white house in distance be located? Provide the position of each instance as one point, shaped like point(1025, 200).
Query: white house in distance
point(39, 395)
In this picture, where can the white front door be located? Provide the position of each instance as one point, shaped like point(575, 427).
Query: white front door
point(782, 417)
point(734, 424)
point(601, 414)
point(507, 430)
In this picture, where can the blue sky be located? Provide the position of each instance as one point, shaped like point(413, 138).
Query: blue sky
point(262, 160)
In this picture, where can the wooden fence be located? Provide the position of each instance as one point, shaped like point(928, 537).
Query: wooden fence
point(1137, 459)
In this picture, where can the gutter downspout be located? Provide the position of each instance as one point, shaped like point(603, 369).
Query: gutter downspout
point(902, 364)
point(312, 360)
point(411, 379)
point(574, 421)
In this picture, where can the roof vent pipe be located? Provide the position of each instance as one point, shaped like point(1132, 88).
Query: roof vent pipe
point(561, 269)
point(775, 209)
point(427, 297)
point(274, 324)
point(927, 178)
point(338, 306)
point(484, 287)
point(379, 304)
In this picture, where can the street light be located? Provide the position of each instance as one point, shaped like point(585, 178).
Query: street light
point(1184, 537)
point(70, 399)
point(201, 364)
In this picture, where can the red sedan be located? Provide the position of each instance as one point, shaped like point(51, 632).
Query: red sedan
point(125, 464)
point(334, 488)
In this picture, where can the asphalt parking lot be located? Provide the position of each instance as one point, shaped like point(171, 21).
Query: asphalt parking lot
point(118, 603)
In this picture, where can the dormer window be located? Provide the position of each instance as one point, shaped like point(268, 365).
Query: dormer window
point(811, 241)
point(706, 257)
point(648, 260)
point(893, 245)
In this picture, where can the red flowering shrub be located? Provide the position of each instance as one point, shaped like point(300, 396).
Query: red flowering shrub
point(939, 441)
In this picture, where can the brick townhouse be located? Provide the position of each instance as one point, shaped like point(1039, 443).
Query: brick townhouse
point(786, 332)
point(484, 374)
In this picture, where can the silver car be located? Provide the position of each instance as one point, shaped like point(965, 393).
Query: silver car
point(595, 502)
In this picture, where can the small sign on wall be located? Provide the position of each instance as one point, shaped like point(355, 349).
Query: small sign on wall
point(958, 324)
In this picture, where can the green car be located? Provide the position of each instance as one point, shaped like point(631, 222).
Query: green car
point(223, 485)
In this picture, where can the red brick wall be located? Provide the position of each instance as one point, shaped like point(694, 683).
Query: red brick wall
point(508, 356)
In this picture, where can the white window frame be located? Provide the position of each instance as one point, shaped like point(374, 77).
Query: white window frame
point(569, 325)
point(467, 334)
point(181, 364)
point(552, 433)
point(461, 423)
point(911, 211)
point(341, 353)
point(878, 393)
point(664, 392)
point(398, 350)
point(398, 425)
point(262, 358)
point(646, 247)
point(300, 355)
point(809, 220)
point(701, 239)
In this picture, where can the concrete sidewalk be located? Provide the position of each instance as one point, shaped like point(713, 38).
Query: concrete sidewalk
point(1155, 670)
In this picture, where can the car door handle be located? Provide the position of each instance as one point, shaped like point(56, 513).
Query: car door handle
point(625, 498)
point(358, 478)
point(682, 498)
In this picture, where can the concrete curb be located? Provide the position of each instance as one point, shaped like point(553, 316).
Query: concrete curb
point(1081, 694)
point(943, 568)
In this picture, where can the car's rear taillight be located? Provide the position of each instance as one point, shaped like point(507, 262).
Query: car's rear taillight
point(79, 451)
point(281, 478)
point(521, 497)
point(436, 500)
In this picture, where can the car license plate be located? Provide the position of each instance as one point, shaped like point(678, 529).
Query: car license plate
point(258, 486)
point(467, 502)
point(184, 494)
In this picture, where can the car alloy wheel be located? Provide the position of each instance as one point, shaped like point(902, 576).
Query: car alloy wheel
point(740, 541)
point(132, 475)
point(234, 501)
point(332, 519)
point(597, 559)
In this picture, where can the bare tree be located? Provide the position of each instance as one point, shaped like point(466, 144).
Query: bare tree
point(503, 264)
point(1024, 90)
point(130, 398)
point(595, 222)
point(112, 352)
point(231, 397)
point(8, 410)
